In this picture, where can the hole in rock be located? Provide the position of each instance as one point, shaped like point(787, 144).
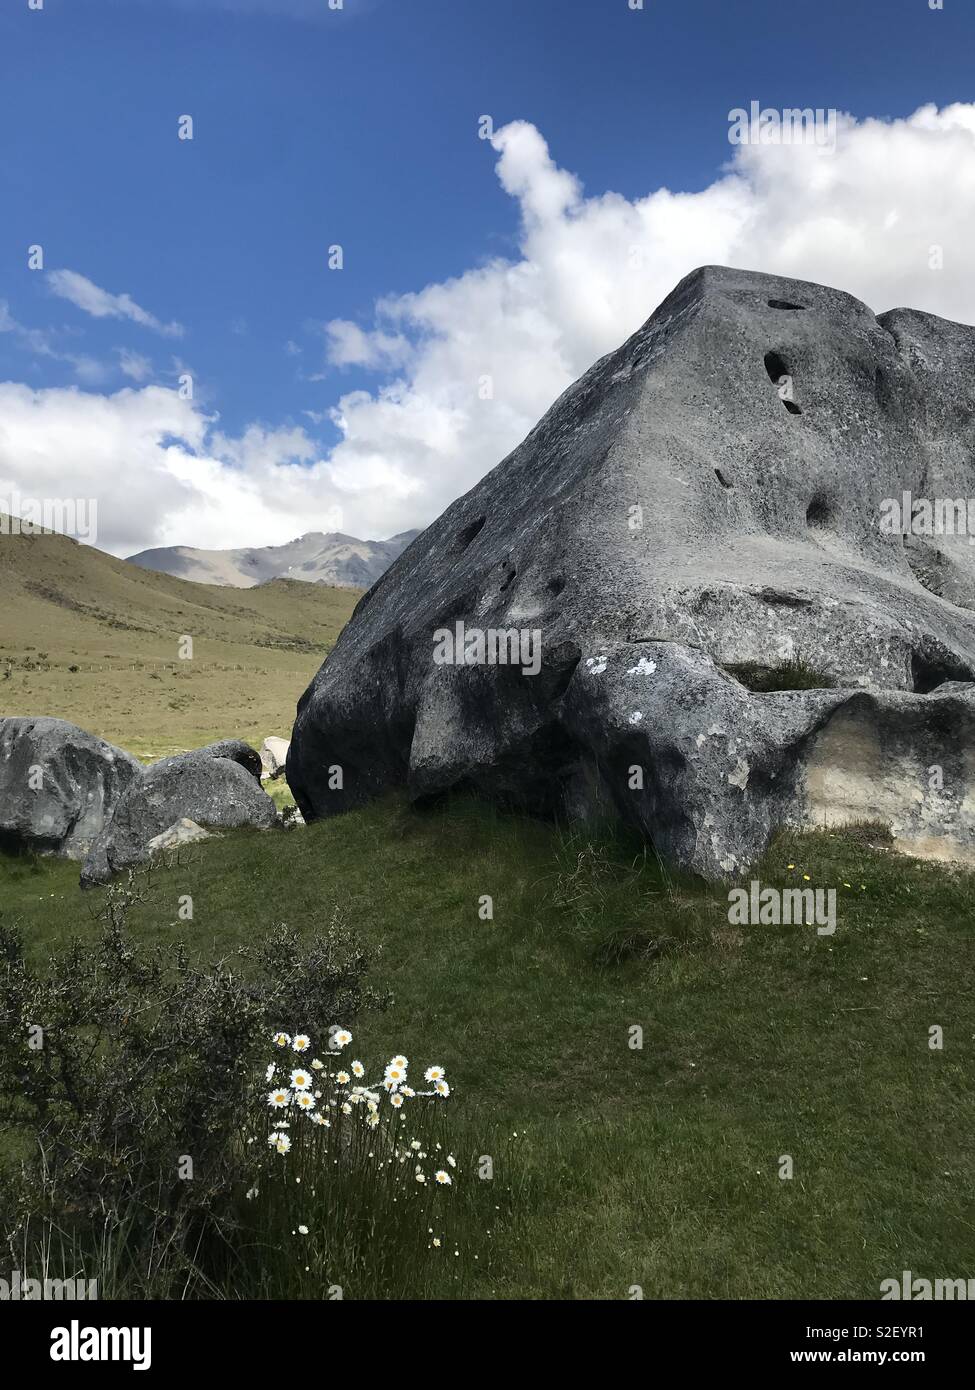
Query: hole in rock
point(779, 373)
point(819, 513)
point(508, 580)
point(775, 367)
point(931, 669)
point(465, 536)
point(555, 585)
point(721, 478)
point(784, 304)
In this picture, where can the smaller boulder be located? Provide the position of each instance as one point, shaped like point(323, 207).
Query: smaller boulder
point(212, 791)
point(58, 785)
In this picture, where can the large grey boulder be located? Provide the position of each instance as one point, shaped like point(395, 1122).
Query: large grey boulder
point(58, 785)
point(707, 499)
point(213, 791)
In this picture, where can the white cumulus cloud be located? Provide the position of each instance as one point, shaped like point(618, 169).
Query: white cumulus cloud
point(468, 365)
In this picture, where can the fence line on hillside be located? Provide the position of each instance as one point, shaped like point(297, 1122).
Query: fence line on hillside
point(85, 666)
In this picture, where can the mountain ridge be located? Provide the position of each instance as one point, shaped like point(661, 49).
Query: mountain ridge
point(316, 557)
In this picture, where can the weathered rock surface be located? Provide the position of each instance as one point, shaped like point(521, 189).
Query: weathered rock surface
point(58, 785)
point(707, 496)
point(213, 791)
point(274, 755)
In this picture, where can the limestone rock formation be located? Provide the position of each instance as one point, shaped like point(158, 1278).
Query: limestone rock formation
point(58, 785)
point(212, 791)
point(583, 629)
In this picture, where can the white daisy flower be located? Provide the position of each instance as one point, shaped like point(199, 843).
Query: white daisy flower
point(443, 1178)
point(283, 1144)
point(421, 1177)
point(317, 1064)
point(301, 1042)
point(342, 1037)
point(302, 1230)
point(441, 1088)
point(395, 1074)
point(278, 1099)
point(396, 1101)
point(346, 1109)
point(281, 1039)
point(305, 1100)
point(343, 1078)
point(358, 1069)
point(300, 1080)
point(399, 1061)
point(407, 1091)
point(415, 1144)
point(372, 1119)
point(269, 1074)
point(433, 1073)
point(321, 1119)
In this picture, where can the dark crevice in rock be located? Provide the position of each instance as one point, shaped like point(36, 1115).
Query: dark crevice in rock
point(784, 304)
point(789, 675)
point(775, 367)
point(779, 374)
point(555, 585)
point(931, 668)
point(722, 479)
point(562, 674)
point(468, 534)
point(779, 598)
point(819, 513)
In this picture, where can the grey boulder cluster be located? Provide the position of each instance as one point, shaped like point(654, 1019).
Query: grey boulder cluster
point(580, 633)
point(63, 791)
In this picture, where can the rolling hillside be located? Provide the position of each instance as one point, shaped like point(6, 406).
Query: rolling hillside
point(96, 640)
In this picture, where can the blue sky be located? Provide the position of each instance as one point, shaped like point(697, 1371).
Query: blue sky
point(359, 127)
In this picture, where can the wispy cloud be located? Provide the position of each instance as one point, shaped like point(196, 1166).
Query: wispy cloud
point(41, 342)
point(134, 365)
point(84, 294)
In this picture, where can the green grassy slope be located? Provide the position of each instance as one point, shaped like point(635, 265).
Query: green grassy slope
point(65, 606)
point(656, 1167)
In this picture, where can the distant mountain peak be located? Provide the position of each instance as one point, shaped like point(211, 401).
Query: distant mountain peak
point(316, 557)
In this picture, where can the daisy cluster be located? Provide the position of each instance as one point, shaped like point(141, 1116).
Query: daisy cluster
point(319, 1089)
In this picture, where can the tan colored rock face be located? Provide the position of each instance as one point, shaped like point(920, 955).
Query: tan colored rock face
point(920, 786)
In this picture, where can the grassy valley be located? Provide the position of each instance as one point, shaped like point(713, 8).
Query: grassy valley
point(96, 641)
